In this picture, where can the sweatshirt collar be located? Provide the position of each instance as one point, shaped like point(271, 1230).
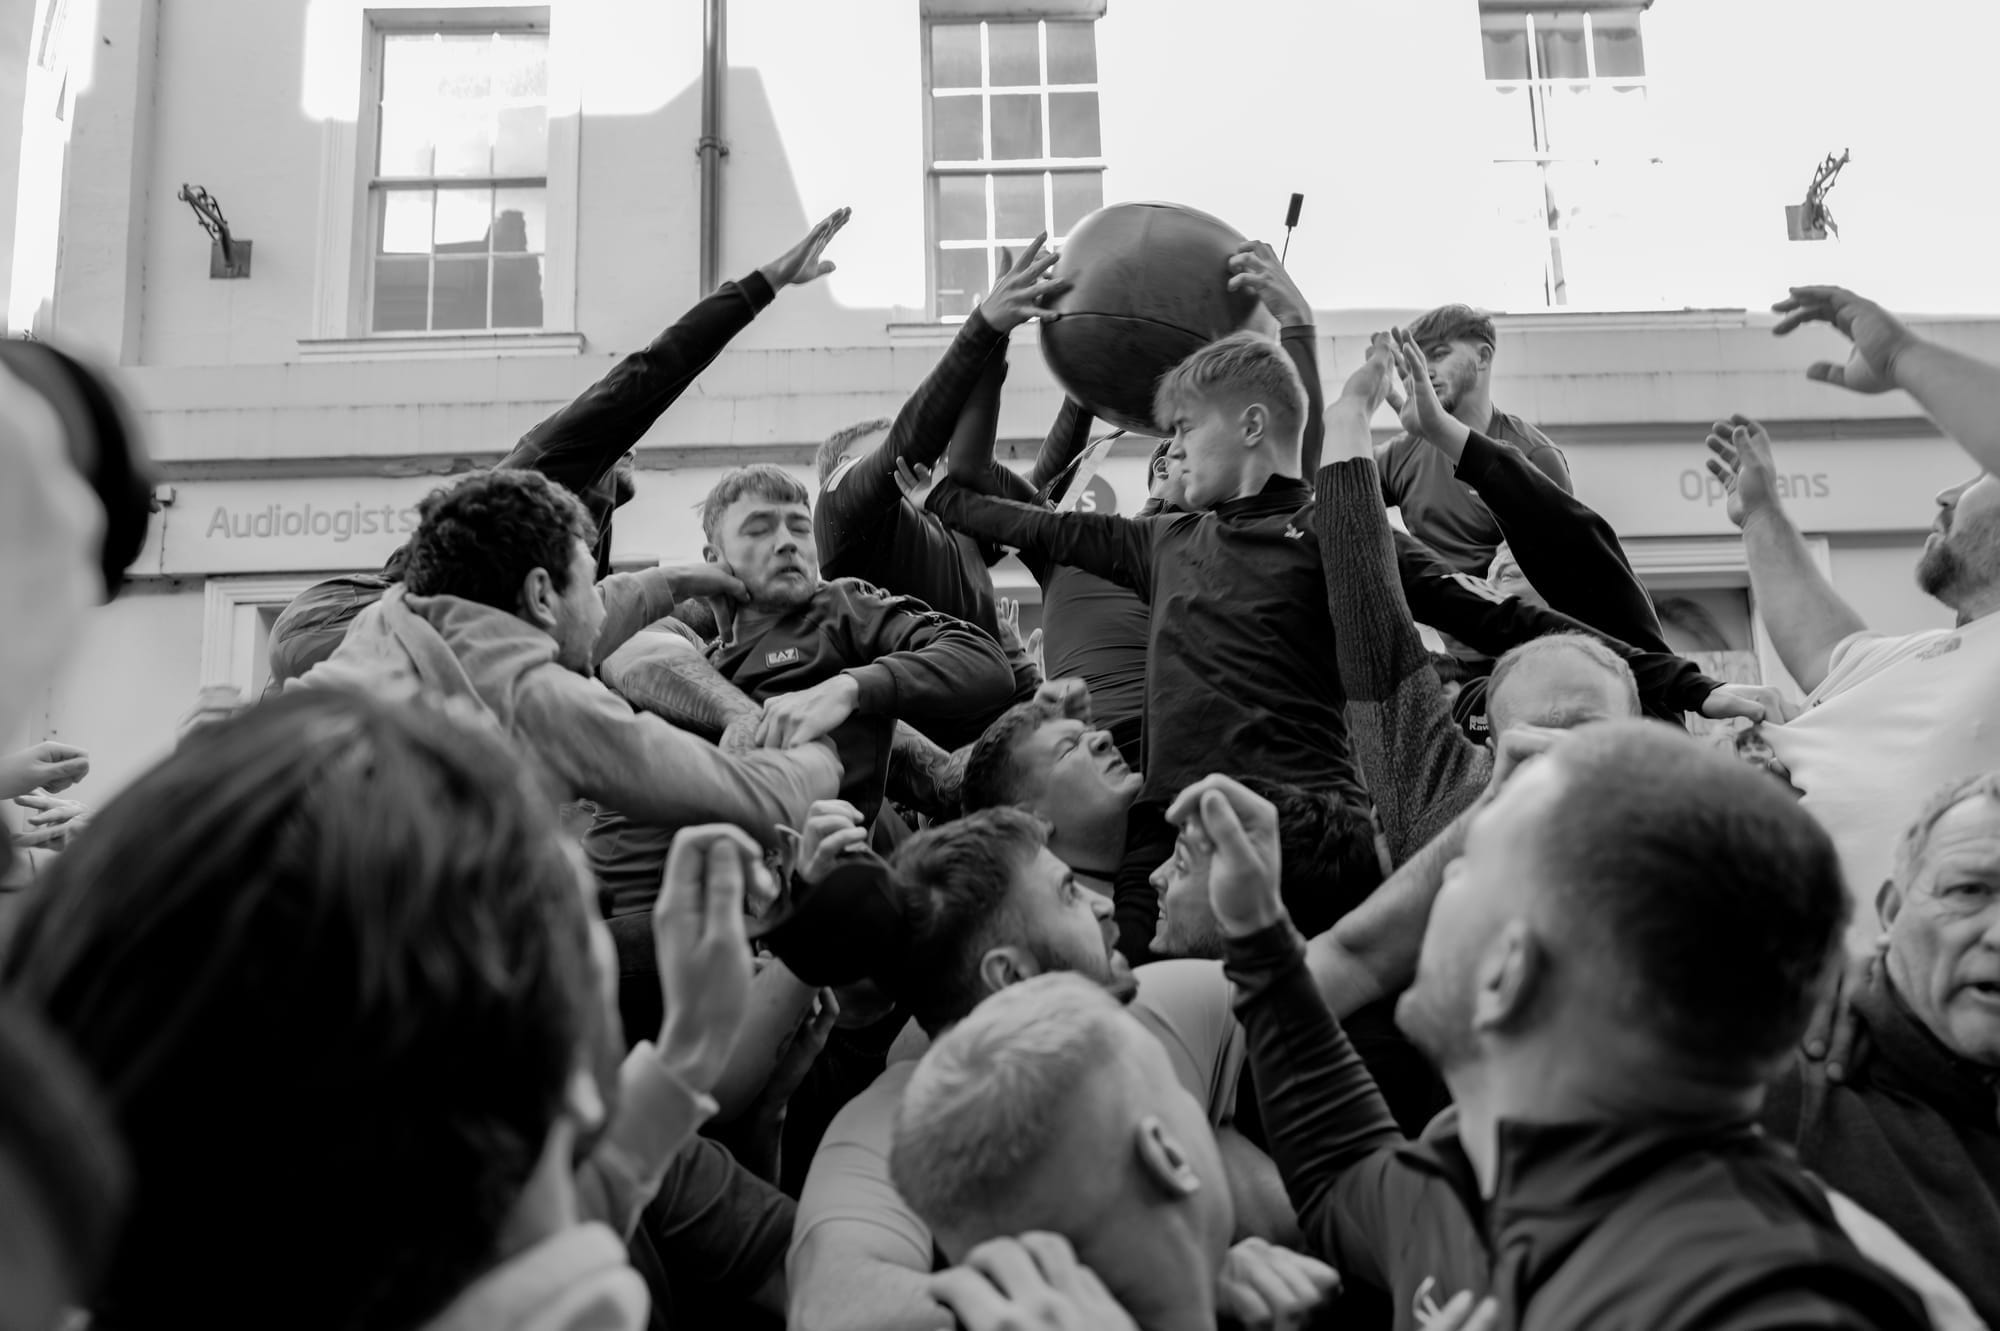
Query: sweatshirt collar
point(1908, 1055)
point(1281, 494)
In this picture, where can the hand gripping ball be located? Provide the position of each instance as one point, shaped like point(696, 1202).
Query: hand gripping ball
point(1152, 286)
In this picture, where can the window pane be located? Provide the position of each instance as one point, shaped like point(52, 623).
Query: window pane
point(405, 143)
point(1615, 37)
point(1559, 45)
point(402, 294)
point(465, 67)
point(1018, 207)
point(1072, 52)
point(955, 55)
point(1505, 39)
point(414, 67)
point(956, 132)
point(458, 293)
point(1077, 195)
point(961, 280)
point(522, 148)
point(1509, 119)
point(1073, 125)
point(1017, 127)
point(520, 65)
point(517, 293)
point(406, 221)
point(520, 222)
point(961, 207)
point(464, 139)
point(1013, 55)
point(464, 216)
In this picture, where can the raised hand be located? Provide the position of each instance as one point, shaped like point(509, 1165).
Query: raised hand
point(1417, 405)
point(1879, 337)
point(1741, 460)
point(702, 948)
point(833, 828)
point(55, 822)
point(1033, 1281)
point(792, 719)
point(1239, 831)
point(1255, 268)
point(801, 263)
point(48, 767)
point(1264, 1287)
point(1752, 702)
point(1070, 696)
point(1025, 290)
point(1374, 379)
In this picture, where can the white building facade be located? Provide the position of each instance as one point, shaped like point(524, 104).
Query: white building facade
point(461, 214)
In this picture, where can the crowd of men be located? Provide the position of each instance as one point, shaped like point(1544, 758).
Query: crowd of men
point(778, 940)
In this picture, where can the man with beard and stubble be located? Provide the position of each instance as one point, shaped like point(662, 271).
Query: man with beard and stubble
point(1888, 718)
point(1630, 943)
point(809, 660)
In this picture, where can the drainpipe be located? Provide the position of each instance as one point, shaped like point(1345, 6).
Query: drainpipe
point(711, 149)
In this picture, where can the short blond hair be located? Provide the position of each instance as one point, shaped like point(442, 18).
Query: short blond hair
point(1238, 370)
point(992, 1096)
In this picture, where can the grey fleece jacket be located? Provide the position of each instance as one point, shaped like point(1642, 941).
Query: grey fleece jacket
point(588, 741)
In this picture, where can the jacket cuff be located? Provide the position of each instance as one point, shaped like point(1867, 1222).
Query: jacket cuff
point(1254, 962)
point(1477, 459)
point(877, 684)
point(656, 1116)
point(756, 288)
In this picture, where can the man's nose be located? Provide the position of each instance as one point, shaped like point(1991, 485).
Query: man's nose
point(1100, 905)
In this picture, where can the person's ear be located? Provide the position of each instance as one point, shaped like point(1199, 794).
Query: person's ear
point(540, 599)
point(1888, 902)
point(1256, 424)
point(584, 1101)
point(1485, 354)
point(711, 555)
point(1003, 966)
point(1508, 973)
point(1164, 1160)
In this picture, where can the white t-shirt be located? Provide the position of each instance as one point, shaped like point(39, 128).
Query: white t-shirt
point(1895, 719)
point(1186, 1003)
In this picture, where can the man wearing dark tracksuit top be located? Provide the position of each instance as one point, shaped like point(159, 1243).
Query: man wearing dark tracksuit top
point(1608, 974)
point(579, 447)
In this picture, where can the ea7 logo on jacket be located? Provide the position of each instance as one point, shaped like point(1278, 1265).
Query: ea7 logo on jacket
point(789, 656)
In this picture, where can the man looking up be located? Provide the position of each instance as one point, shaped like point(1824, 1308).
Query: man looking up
point(1457, 344)
point(1909, 1131)
point(823, 660)
point(1633, 938)
point(498, 615)
point(981, 904)
point(871, 523)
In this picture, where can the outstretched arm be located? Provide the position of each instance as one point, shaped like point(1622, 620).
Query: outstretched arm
point(862, 492)
point(1421, 770)
point(1567, 552)
point(1806, 617)
point(579, 444)
point(1958, 392)
point(1114, 548)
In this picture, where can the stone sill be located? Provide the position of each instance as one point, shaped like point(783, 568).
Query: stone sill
point(440, 346)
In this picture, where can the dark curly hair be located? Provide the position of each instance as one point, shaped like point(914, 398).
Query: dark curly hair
point(481, 538)
point(329, 953)
point(992, 777)
point(1327, 846)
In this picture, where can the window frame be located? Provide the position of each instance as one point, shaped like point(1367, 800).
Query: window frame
point(1537, 86)
point(343, 298)
point(1048, 167)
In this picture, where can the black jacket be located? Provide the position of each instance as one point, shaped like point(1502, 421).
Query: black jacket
point(1666, 1226)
